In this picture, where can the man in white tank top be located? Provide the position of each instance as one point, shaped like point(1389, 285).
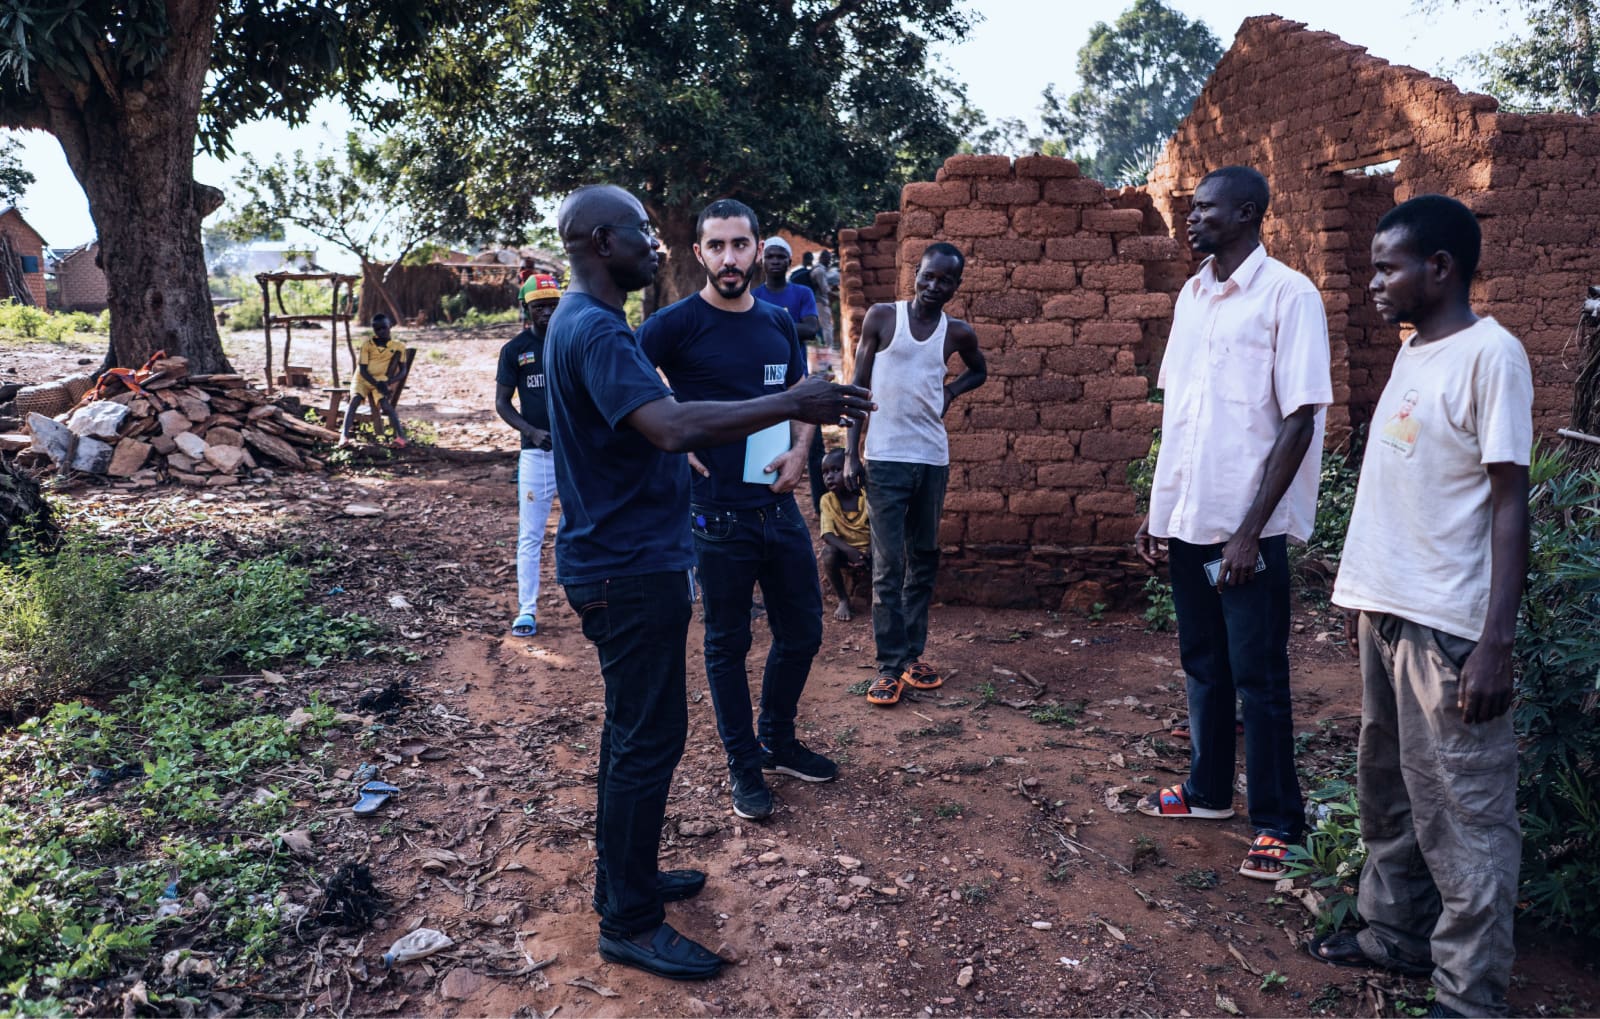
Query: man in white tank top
point(904, 349)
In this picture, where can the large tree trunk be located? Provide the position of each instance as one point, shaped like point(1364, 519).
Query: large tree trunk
point(132, 149)
point(681, 274)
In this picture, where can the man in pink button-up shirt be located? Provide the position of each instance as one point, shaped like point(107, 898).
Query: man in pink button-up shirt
point(1246, 375)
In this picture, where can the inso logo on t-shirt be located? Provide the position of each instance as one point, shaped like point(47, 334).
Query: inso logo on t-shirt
point(773, 374)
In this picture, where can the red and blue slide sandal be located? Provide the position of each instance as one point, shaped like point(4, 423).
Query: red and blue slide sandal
point(1170, 802)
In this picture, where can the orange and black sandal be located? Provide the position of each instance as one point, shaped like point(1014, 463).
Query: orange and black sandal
point(922, 676)
point(885, 691)
point(1264, 862)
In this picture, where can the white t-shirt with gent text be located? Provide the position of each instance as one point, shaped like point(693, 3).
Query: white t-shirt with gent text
point(1418, 544)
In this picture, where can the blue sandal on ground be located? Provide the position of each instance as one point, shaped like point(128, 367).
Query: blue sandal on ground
point(524, 626)
point(373, 795)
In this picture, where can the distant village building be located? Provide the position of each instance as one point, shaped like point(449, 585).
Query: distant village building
point(80, 282)
point(25, 248)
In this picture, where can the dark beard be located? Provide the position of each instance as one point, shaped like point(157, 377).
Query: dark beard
point(738, 290)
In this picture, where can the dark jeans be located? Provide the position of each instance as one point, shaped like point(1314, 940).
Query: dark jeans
point(735, 550)
point(907, 501)
point(814, 469)
point(639, 626)
point(1237, 642)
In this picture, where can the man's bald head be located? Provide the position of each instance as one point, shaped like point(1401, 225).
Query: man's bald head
point(595, 206)
point(609, 240)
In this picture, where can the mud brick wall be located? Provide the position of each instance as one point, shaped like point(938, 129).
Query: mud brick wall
point(867, 275)
point(1316, 115)
point(1069, 287)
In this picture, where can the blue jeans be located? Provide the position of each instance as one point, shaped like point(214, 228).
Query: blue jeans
point(735, 550)
point(1237, 642)
point(639, 626)
point(907, 501)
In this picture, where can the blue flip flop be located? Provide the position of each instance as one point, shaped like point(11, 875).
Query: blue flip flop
point(373, 795)
point(524, 626)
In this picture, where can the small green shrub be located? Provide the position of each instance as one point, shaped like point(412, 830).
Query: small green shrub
point(22, 319)
point(1332, 855)
point(87, 616)
point(452, 306)
point(1160, 614)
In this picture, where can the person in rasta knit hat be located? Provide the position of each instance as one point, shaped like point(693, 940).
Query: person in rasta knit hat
point(521, 370)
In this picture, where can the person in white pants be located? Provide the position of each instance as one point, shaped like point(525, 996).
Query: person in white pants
point(521, 370)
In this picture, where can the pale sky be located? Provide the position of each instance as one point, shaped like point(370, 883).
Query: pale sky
point(1006, 62)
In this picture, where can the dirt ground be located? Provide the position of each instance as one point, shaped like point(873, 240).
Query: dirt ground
point(969, 860)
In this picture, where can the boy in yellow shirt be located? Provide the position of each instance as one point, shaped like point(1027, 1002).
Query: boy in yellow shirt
point(846, 536)
point(380, 366)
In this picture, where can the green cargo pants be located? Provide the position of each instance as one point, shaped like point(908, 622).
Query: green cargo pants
point(1439, 816)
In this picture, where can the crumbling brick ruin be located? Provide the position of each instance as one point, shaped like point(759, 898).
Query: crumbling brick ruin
point(1318, 116)
point(1070, 284)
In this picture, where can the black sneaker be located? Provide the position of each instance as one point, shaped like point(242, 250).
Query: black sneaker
point(794, 758)
point(752, 800)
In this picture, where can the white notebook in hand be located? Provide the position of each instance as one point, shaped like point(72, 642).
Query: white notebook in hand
point(762, 448)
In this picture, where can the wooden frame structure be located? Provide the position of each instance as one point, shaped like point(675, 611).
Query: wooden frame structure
point(276, 280)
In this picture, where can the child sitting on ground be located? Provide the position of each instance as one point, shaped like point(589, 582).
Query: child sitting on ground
point(846, 537)
point(380, 367)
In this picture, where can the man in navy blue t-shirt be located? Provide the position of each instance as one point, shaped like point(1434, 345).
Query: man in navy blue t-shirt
point(722, 344)
point(623, 554)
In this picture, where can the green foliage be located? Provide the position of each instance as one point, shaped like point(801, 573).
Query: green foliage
point(1161, 614)
point(1336, 497)
point(14, 177)
point(368, 199)
point(1139, 79)
point(89, 616)
point(80, 888)
point(298, 297)
point(1063, 715)
point(1554, 67)
point(667, 100)
point(22, 319)
point(1558, 649)
point(1332, 855)
point(1142, 473)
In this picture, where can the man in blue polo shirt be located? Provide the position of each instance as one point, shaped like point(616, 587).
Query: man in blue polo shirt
point(722, 344)
point(623, 554)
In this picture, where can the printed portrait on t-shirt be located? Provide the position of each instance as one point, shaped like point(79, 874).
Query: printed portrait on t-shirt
point(1400, 431)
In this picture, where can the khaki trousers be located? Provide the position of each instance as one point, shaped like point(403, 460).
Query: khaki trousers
point(1439, 816)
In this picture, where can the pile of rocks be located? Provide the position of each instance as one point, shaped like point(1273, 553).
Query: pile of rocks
point(201, 430)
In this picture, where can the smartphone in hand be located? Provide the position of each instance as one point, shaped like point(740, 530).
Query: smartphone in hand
point(1214, 568)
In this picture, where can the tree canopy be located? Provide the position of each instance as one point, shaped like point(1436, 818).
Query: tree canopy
point(814, 111)
point(1555, 66)
point(1139, 78)
point(367, 199)
point(14, 177)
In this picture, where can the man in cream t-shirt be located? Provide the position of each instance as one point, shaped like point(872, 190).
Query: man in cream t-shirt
point(1434, 563)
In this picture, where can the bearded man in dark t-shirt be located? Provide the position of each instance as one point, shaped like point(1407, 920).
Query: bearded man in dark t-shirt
point(723, 344)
